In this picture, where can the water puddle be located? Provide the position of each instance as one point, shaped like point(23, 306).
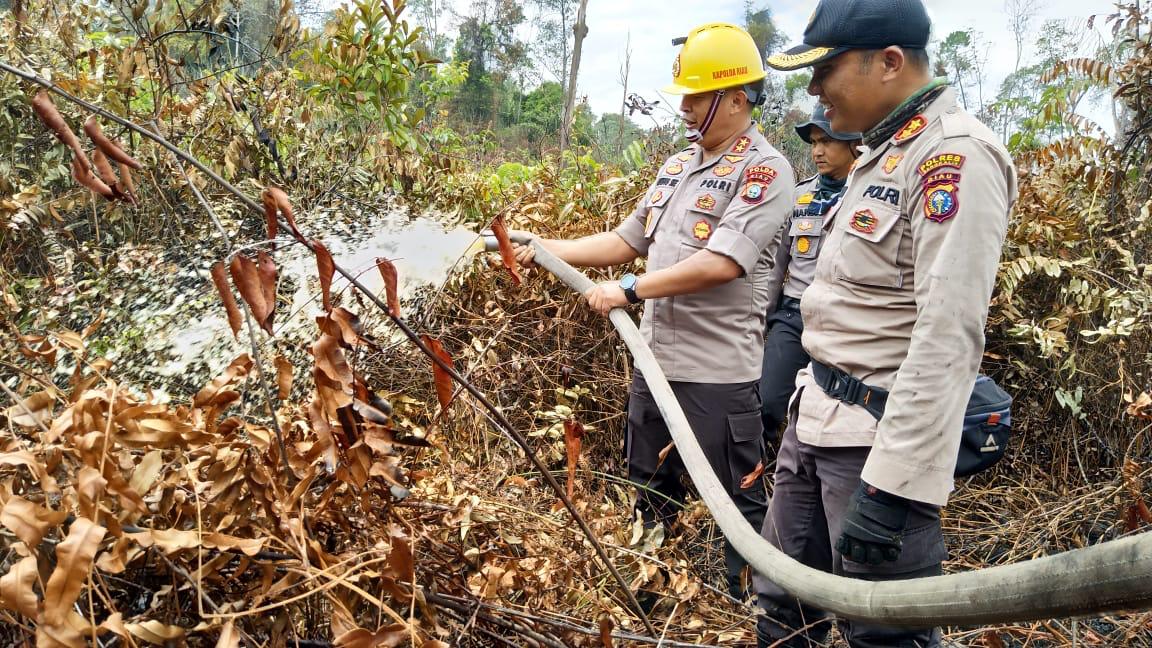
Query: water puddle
point(179, 337)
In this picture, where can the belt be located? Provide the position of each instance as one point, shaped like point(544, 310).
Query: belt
point(839, 385)
point(789, 303)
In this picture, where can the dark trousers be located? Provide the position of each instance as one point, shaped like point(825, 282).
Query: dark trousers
point(784, 357)
point(726, 421)
point(812, 489)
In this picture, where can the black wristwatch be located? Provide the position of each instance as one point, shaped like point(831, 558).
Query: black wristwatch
point(628, 285)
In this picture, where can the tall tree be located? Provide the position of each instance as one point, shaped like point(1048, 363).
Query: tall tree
point(552, 46)
point(579, 31)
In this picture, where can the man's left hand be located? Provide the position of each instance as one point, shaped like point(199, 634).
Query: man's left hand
point(873, 526)
point(603, 297)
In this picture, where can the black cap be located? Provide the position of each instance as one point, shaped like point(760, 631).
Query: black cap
point(840, 25)
point(820, 121)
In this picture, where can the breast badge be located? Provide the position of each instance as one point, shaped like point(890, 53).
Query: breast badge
point(864, 221)
point(892, 162)
point(706, 202)
point(722, 170)
point(685, 156)
point(733, 158)
point(656, 196)
point(674, 169)
point(804, 226)
point(804, 199)
point(701, 230)
point(803, 244)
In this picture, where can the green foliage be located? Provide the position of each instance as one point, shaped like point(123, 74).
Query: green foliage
point(366, 65)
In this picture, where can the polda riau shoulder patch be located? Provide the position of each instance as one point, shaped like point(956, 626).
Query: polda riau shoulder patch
point(763, 174)
point(753, 192)
point(941, 196)
point(910, 129)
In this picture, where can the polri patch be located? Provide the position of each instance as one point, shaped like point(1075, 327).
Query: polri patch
point(742, 144)
point(722, 170)
point(706, 202)
point(733, 158)
point(910, 129)
point(717, 184)
point(753, 192)
point(944, 160)
point(883, 194)
point(761, 174)
point(674, 169)
point(702, 230)
point(941, 196)
point(892, 162)
point(864, 221)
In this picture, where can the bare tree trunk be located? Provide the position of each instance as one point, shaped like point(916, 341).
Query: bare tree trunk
point(579, 30)
point(625, 70)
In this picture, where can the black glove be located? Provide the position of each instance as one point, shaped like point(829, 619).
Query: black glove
point(873, 526)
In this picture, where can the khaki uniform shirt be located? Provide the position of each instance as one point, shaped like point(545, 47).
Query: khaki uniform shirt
point(732, 205)
point(901, 293)
point(797, 246)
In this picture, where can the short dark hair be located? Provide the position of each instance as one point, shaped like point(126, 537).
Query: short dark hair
point(917, 56)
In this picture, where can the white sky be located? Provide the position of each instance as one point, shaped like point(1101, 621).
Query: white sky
point(650, 25)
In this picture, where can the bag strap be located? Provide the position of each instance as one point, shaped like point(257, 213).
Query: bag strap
point(843, 387)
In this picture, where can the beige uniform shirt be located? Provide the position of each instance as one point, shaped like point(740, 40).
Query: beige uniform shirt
point(901, 295)
point(797, 246)
point(732, 205)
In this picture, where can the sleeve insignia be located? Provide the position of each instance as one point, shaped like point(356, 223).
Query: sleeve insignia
point(702, 230)
point(734, 158)
point(944, 160)
point(892, 162)
point(941, 199)
point(804, 199)
point(762, 174)
point(742, 144)
point(864, 221)
point(911, 129)
point(674, 169)
point(706, 202)
point(753, 193)
point(722, 170)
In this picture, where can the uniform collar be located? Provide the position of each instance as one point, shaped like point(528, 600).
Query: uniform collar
point(913, 128)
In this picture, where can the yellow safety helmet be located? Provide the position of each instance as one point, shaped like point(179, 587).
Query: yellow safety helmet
point(715, 56)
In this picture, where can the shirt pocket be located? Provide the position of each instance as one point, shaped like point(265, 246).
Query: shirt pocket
point(870, 247)
point(805, 233)
point(705, 208)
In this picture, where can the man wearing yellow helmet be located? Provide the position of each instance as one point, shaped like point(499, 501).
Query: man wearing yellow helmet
point(705, 225)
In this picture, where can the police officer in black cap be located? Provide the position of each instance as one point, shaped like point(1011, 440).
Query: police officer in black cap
point(894, 319)
point(798, 247)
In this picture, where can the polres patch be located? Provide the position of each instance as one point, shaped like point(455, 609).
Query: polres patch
point(944, 160)
point(864, 221)
point(753, 193)
point(941, 196)
point(702, 230)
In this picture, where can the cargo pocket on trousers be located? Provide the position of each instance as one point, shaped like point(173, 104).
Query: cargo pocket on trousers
point(746, 433)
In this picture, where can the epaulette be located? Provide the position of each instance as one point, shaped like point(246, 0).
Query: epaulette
point(954, 124)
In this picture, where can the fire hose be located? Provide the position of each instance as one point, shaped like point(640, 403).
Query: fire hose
point(1108, 577)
